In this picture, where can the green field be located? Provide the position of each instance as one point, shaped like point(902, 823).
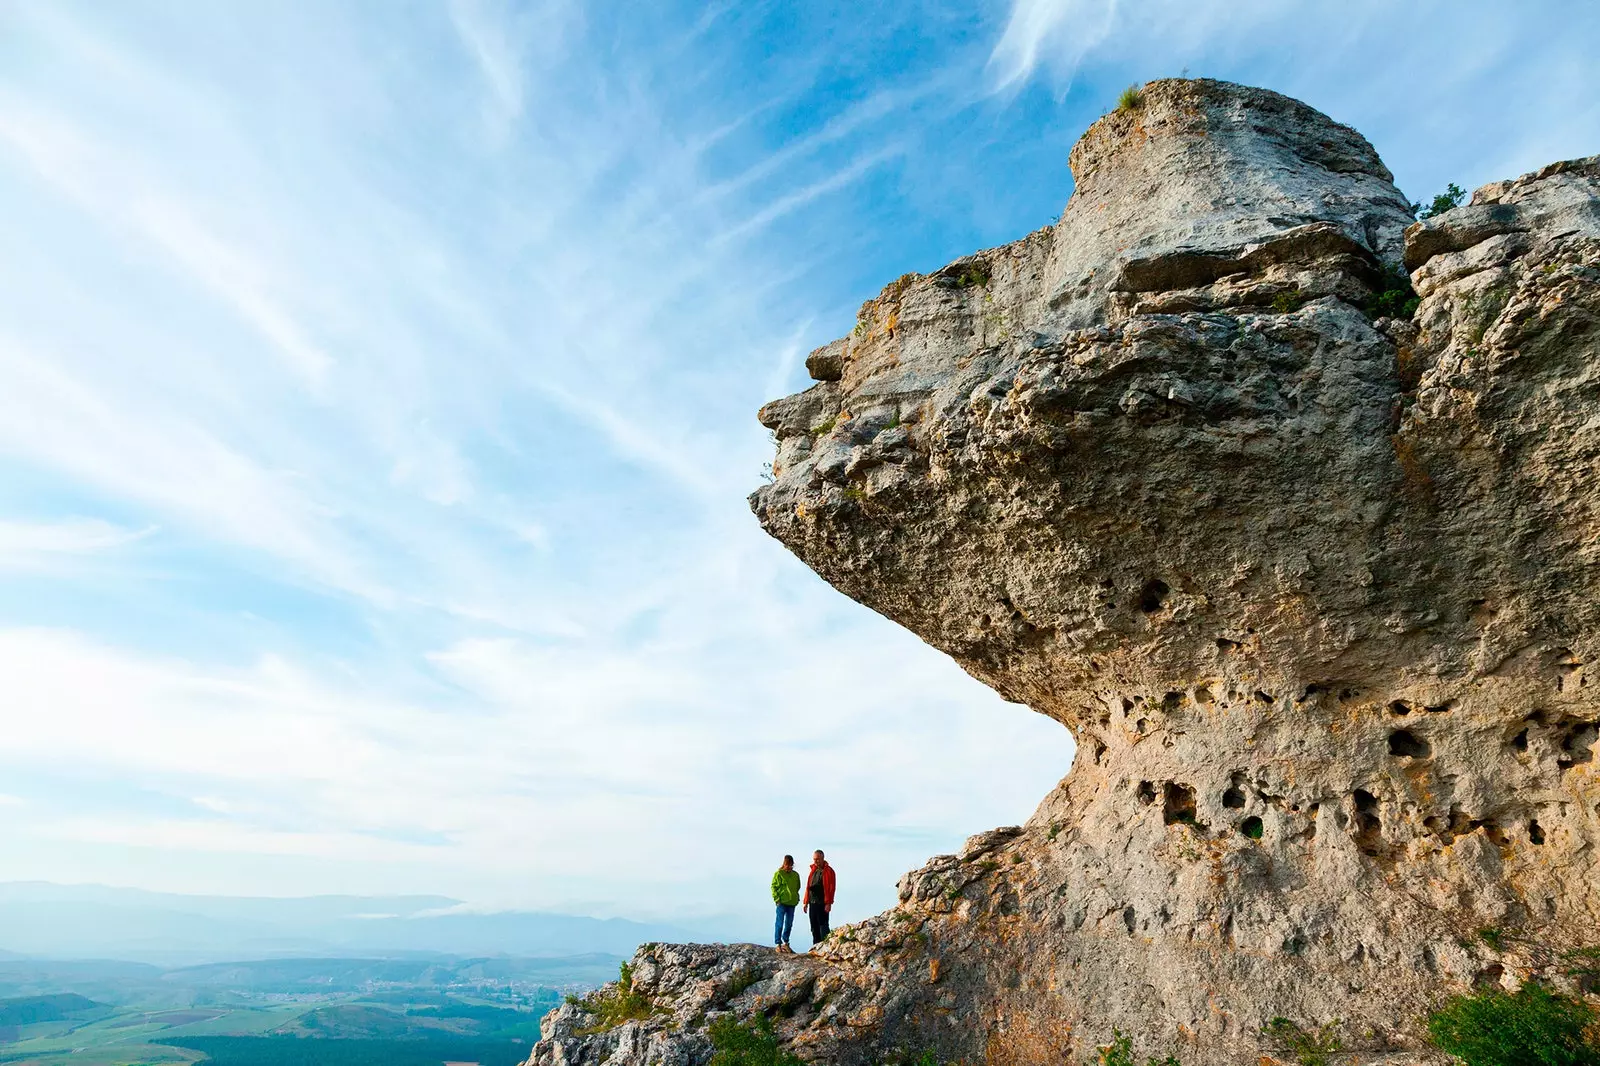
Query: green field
point(296, 1012)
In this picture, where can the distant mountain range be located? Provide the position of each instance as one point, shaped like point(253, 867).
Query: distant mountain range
point(47, 920)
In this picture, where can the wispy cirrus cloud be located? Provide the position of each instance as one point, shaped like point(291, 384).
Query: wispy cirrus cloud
point(21, 542)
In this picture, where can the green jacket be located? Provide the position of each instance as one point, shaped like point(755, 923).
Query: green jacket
point(786, 887)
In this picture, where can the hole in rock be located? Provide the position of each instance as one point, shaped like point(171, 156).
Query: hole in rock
point(1399, 707)
point(1202, 695)
point(1369, 830)
point(1233, 798)
point(1142, 726)
point(1489, 976)
point(1153, 596)
point(1146, 792)
point(1262, 697)
point(1128, 919)
point(1225, 645)
point(1252, 827)
point(1496, 835)
point(1404, 742)
point(1520, 741)
point(1447, 705)
point(1171, 702)
point(985, 622)
point(1568, 670)
point(1535, 832)
point(1578, 745)
point(1177, 804)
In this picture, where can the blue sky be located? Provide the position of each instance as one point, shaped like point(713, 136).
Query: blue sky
point(377, 393)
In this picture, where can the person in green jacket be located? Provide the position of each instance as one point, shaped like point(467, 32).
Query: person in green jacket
point(786, 894)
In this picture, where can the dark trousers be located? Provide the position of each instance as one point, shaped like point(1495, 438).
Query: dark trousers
point(819, 920)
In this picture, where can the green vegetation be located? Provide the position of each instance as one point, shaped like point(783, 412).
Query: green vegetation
point(1494, 936)
point(1252, 828)
point(615, 1004)
point(975, 273)
point(1131, 99)
point(1120, 1053)
point(823, 428)
point(1530, 1027)
point(1448, 200)
point(282, 1012)
point(1308, 1048)
point(28, 1010)
point(1393, 297)
point(747, 1045)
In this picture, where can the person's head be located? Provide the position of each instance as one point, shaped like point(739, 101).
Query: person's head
point(816, 856)
point(788, 862)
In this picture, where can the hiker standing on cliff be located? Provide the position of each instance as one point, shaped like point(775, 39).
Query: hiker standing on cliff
point(786, 894)
point(819, 896)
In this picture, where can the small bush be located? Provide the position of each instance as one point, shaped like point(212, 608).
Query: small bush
point(1393, 297)
point(1120, 1053)
point(1290, 300)
point(747, 1045)
point(1131, 99)
point(615, 1004)
point(1308, 1049)
point(976, 273)
point(1530, 1027)
point(1494, 936)
point(1448, 200)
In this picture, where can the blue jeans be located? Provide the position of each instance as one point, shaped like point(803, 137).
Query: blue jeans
point(783, 923)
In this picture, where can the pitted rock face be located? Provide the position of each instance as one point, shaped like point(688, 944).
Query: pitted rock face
point(1316, 594)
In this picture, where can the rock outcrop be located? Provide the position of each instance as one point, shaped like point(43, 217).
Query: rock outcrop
point(1316, 594)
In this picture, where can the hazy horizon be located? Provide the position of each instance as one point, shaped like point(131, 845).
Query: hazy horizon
point(46, 921)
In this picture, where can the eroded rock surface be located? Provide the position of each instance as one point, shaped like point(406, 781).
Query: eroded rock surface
point(1317, 596)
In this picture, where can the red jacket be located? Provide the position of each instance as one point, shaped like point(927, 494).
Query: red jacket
point(827, 884)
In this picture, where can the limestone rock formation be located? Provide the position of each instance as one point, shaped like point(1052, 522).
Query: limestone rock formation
point(1316, 594)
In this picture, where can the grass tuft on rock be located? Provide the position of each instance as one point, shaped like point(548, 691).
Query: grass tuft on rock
point(738, 1044)
point(1530, 1027)
point(1131, 99)
point(614, 1004)
point(1120, 1053)
point(1309, 1048)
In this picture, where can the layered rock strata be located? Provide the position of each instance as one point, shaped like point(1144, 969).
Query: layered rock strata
point(1316, 594)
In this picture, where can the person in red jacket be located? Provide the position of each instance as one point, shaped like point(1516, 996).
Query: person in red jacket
point(819, 896)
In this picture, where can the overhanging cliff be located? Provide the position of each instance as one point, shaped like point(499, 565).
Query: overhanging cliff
point(1314, 590)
